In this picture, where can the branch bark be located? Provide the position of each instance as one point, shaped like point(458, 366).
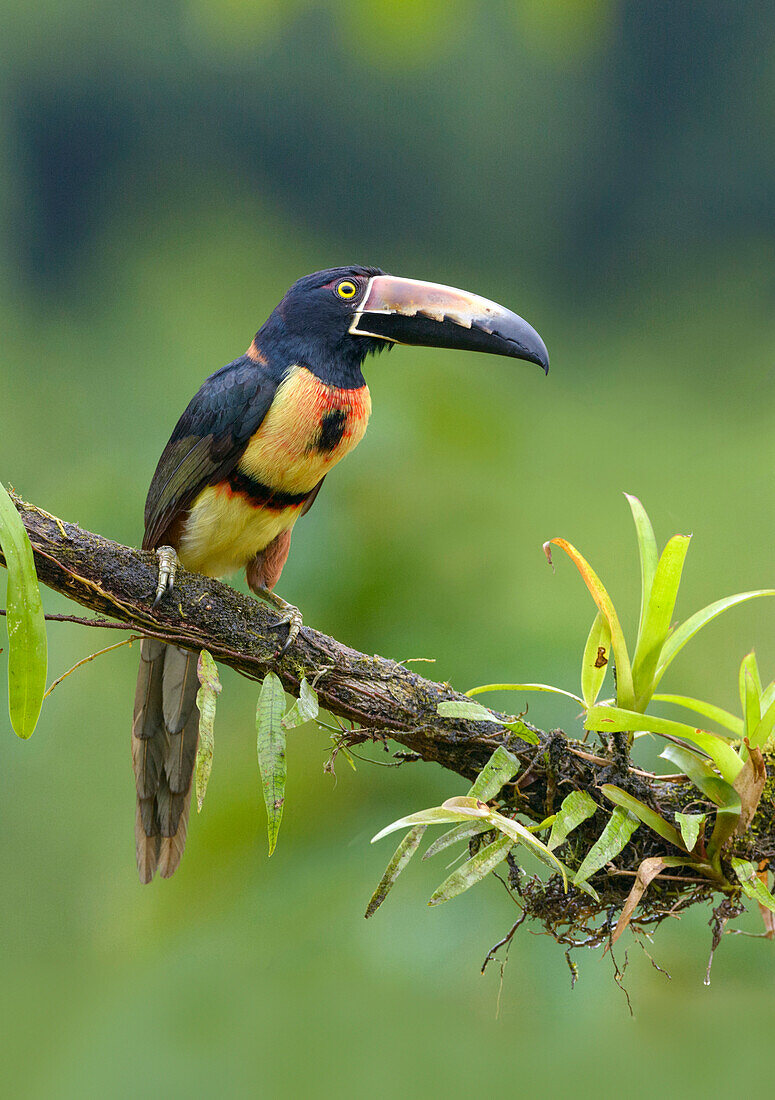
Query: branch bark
point(385, 699)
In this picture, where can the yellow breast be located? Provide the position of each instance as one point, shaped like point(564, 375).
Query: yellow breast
point(309, 428)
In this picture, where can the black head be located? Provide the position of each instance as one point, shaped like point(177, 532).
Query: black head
point(332, 320)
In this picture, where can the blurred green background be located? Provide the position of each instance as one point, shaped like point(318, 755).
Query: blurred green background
point(167, 170)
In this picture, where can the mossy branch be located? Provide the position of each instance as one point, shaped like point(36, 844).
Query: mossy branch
point(383, 697)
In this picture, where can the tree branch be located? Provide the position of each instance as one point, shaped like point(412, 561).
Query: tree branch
point(388, 700)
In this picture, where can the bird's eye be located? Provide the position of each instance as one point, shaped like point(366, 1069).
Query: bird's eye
point(346, 289)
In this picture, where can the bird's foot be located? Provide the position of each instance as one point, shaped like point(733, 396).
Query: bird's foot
point(168, 567)
point(290, 617)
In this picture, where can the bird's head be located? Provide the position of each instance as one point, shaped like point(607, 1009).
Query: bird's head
point(333, 319)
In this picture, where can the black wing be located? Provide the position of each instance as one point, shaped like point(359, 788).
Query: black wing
point(208, 441)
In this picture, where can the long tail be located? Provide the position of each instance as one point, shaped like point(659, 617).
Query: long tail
point(165, 732)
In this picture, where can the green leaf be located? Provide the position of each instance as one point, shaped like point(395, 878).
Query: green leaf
point(690, 825)
point(523, 732)
point(499, 769)
point(436, 815)
point(763, 731)
point(594, 663)
point(519, 834)
point(768, 696)
point(27, 648)
point(707, 710)
point(750, 692)
point(618, 830)
point(687, 630)
point(401, 857)
point(647, 552)
point(576, 807)
point(751, 884)
point(206, 698)
point(624, 685)
point(644, 813)
point(659, 615)
point(616, 720)
point(525, 687)
point(464, 831)
point(698, 769)
point(473, 870)
point(271, 752)
point(304, 709)
point(472, 712)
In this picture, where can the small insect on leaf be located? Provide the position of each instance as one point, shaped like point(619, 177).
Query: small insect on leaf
point(576, 808)
point(399, 860)
point(305, 707)
point(206, 698)
point(751, 884)
point(618, 830)
point(271, 752)
point(27, 647)
point(595, 659)
point(473, 870)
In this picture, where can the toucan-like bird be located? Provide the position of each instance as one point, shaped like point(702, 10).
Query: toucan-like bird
point(248, 457)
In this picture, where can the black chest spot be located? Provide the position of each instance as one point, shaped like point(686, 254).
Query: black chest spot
point(332, 426)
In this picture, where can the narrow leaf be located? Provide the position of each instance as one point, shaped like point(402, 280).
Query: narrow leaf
point(763, 731)
point(473, 870)
point(659, 615)
point(304, 709)
point(618, 830)
point(644, 813)
point(436, 815)
point(464, 831)
point(751, 884)
point(271, 752)
point(707, 710)
point(624, 687)
point(472, 712)
point(594, 663)
point(690, 825)
point(520, 834)
point(27, 648)
point(750, 693)
point(401, 857)
point(646, 873)
point(647, 552)
point(499, 769)
point(525, 687)
point(703, 777)
point(522, 731)
point(206, 698)
point(686, 631)
point(616, 720)
point(576, 807)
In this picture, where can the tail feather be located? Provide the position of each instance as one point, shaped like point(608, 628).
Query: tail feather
point(165, 733)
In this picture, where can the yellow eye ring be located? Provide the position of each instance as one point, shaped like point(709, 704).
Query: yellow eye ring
point(347, 289)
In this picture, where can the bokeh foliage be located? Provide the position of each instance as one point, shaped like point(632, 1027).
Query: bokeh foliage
point(167, 170)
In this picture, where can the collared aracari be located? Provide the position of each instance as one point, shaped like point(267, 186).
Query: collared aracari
point(248, 457)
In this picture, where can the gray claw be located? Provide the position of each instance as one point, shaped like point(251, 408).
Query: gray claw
point(168, 567)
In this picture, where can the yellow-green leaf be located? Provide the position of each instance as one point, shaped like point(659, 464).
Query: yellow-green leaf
point(690, 825)
point(751, 884)
point(271, 752)
point(624, 686)
point(576, 807)
point(647, 552)
point(304, 709)
point(499, 769)
point(400, 858)
point(27, 647)
point(644, 813)
point(659, 615)
point(473, 870)
point(618, 830)
point(594, 663)
point(464, 831)
point(206, 697)
point(706, 710)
